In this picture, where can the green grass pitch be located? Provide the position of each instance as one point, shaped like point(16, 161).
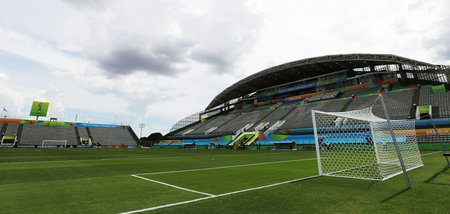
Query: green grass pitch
point(101, 181)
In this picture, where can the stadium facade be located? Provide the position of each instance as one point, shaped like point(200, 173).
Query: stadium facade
point(272, 108)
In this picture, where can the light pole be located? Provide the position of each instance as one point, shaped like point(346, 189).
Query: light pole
point(141, 126)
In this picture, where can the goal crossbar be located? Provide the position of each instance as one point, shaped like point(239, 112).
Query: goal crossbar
point(54, 142)
point(358, 144)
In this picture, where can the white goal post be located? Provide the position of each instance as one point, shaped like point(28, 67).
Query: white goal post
point(358, 144)
point(54, 142)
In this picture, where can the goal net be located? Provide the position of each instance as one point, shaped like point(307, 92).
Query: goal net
point(358, 144)
point(54, 143)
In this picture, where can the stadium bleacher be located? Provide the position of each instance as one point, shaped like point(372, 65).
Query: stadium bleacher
point(277, 115)
point(330, 83)
point(290, 103)
point(301, 116)
point(399, 103)
point(35, 134)
point(12, 129)
point(441, 100)
point(243, 119)
point(324, 96)
point(215, 122)
point(360, 92)
point(83, 132)
point(361, 102)
point(194, 127)
point(400, 86)
point(32, 133)
point(108, 136)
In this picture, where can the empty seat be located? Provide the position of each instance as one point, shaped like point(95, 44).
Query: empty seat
point(427, 97)
point(112, 136)
point(398, 105)
point(35, 134)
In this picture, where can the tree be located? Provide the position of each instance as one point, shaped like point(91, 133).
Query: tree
point(151, 139)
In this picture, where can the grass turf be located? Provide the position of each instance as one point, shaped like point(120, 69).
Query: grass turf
point(99, 181)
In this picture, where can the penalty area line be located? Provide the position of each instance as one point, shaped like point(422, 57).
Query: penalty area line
point(173, 186)
point(220, 195)
point(224, 167)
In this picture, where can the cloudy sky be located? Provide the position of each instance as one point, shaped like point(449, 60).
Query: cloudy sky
point(155, 62)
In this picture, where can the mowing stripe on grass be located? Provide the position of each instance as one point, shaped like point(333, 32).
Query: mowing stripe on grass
point(224, 167)
point(241, 165)
point(229, 193)
point(221, 195)
point(122, 158)
point(170, 185)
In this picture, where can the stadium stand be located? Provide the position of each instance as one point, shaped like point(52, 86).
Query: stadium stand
point(301, 116)
point(360, 92)
point(399, 103)
point(442, 100)
point(328, 83)
point(31, 133)
point(290, 103)
point(35, 134)
point(361, 102)
point(107, 136)
point(187, 129)
point(83, 132)
point(215, 122)
point(277, 115)
point(324, 96)
point(12, 129)
point(242, 120)
point(400, 86)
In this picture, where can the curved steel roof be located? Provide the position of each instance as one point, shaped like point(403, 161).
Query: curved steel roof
point(304, 68)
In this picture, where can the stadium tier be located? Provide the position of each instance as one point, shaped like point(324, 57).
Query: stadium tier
point(111, 137)
point(439, 100)
point(277, 102)
point(38, 133)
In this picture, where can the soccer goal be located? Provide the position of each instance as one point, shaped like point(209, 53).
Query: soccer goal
point(189, 146)
point(358, 144)
point(53, 143)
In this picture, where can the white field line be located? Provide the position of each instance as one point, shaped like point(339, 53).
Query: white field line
point(216, 196)
point(223, 167)
point(224, 194)
point(431, 153)
point(124, 158)
point(167, 205)
point(170, 185)
point(103, 159)
point(140, 157)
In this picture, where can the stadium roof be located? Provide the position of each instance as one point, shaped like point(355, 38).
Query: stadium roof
point(305, 68)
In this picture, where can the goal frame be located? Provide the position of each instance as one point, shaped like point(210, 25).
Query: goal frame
point(43, 142)
point(368, 122)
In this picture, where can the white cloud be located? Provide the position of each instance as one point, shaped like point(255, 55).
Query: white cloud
point(3, 76)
